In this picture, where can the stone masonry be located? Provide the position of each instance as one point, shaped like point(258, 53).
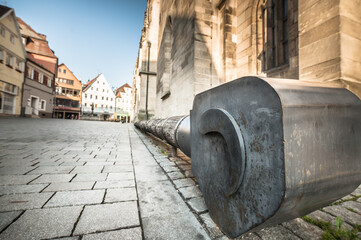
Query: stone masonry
point(204, 43)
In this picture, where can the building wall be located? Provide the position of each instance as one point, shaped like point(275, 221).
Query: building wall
point(99, 93)
point(11, 75)
point(36, 88)
point(330, 43)
point(176, 58)
point(139, 94)
point(206, 43)
point(63, 72)
point(124, 101)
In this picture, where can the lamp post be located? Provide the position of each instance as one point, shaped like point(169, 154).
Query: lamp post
point(146, 93)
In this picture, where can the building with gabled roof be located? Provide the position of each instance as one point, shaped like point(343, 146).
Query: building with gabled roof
point(68, 94)
point(98, 98)
point(123, 104)
point(12, 63)
point(40, 72)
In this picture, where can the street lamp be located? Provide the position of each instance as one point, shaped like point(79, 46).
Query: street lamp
point(146, 94)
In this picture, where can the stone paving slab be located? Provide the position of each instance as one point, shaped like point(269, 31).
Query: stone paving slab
point(52, 169)
point(43, 223)
point(69, 186)
point(114, 184)
point(52, 178)
point(352, 206)
point(322, 216)
point(97, 163)
point(8, 217)
point(198, 204)
point(15, 170)
point(159, 199)
point(118, 169)
point(124, 234)
point(120, 195)
point(190, 192)
point(298, 227)
point(71, 198)
point(17, 162)
point(120, 176)
point(347, 216)
point(89, 177)
point(186, 182)
point(14, 189)
point(174, 226)
point(212, 228)
point(107, 217)
point(16, 179)
point(175, 175)
point(149, 173)
point(74, 164)
point(23, 201)
point(87, 169)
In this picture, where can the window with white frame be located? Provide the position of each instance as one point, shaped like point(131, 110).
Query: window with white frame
point(9, 60)
point(12, 39)
point(86, 96)
point(41, 79)
point(2, 31)
point(19, 65)
point(1, 56)
point(49, 81)
point(42, 104)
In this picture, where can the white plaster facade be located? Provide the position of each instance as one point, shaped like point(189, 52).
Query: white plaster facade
point(124, 99)
point(98, 92)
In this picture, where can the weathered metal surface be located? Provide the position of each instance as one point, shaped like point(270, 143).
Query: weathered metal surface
point(301, 150)
point(265, 151)
point(183, 134)
point(169, 129)
point(174, 130)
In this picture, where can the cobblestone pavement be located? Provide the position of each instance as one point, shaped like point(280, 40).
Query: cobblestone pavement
point(66, 179)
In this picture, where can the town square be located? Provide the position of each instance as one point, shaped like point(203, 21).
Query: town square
point(180, 119)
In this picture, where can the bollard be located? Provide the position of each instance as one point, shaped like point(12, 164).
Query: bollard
point(265, 151)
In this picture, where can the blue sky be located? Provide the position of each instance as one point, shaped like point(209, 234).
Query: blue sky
point(89, 36)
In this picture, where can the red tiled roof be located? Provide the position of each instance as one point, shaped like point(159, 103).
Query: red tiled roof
point(37, 42)
point(27, 31)
point(4, 10)
point(45, 64)
point(88, 84)
point(121, 90)
point(39, 47)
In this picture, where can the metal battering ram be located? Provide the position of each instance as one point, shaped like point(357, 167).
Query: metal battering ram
point(265, 151)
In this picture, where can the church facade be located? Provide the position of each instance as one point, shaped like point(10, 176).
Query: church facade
point(197, 45)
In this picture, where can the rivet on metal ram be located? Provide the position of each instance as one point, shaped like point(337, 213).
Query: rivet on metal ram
point(265, 151)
